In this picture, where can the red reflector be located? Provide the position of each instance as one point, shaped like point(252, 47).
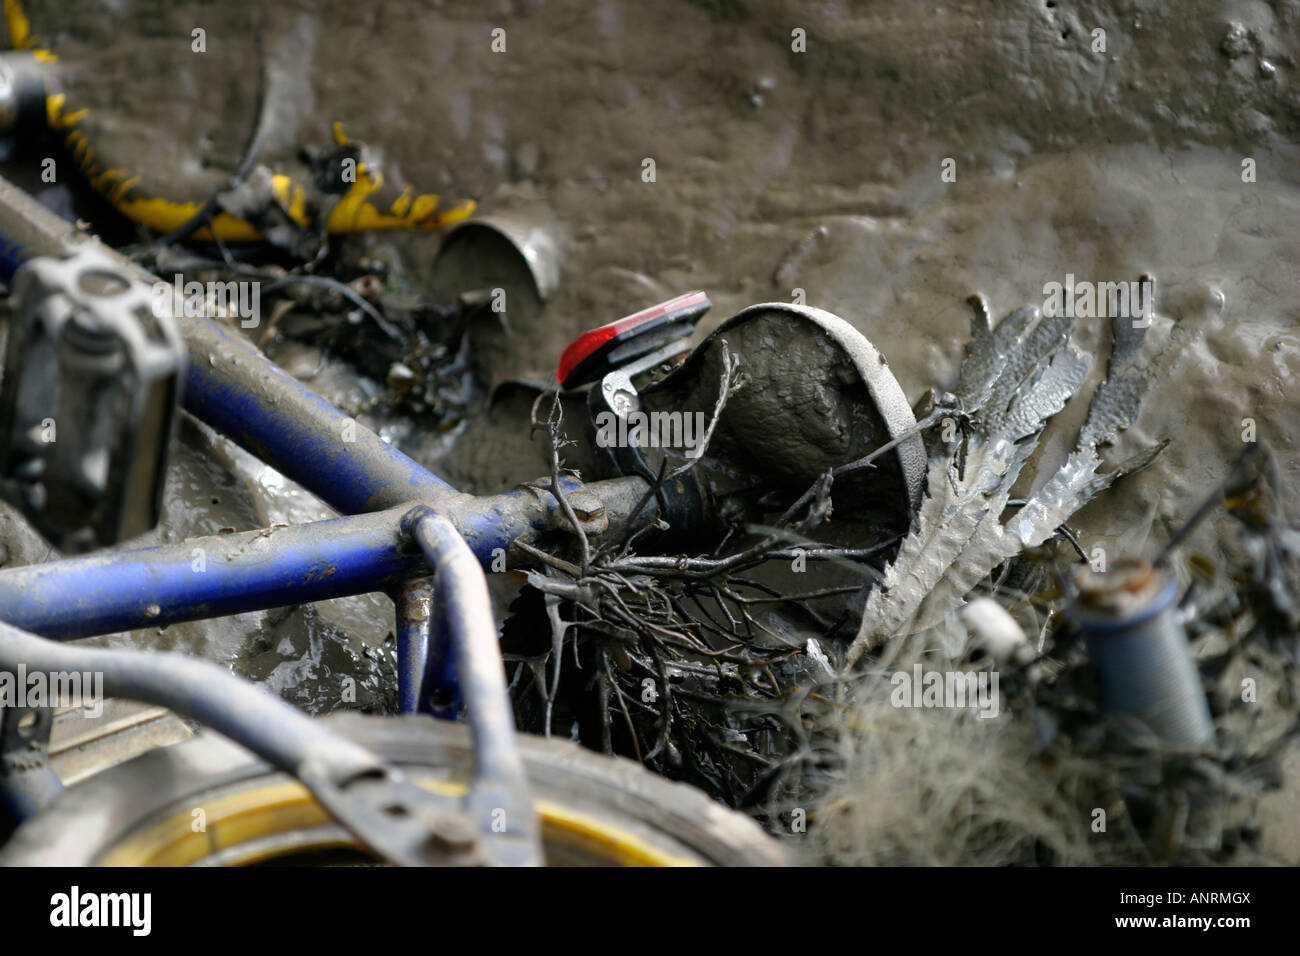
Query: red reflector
point(581, 347)
point(588, 343)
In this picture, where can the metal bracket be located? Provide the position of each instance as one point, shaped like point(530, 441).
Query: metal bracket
point(395, 817)
point(616, 394)
point(27, 782)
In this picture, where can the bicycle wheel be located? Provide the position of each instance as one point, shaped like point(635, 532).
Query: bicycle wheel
point(594, 810)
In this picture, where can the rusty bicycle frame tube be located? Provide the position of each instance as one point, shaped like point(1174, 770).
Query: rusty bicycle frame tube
point(121, 590)
point(232, 387)
point(499, 789)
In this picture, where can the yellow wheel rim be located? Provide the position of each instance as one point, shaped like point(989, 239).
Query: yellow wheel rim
point(236, 819)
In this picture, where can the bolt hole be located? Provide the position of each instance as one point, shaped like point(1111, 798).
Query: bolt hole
point(441, 698)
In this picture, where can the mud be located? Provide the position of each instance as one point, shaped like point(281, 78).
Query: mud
point(778, 174)
point(777, 170)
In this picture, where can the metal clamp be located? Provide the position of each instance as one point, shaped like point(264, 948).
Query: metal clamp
point(27, 782)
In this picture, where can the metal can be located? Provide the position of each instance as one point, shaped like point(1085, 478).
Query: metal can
point(1137, 644)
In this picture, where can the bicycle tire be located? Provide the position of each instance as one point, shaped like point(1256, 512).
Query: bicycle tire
point(595, 810)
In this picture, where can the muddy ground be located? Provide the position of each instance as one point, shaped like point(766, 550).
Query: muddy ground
point(776, 170)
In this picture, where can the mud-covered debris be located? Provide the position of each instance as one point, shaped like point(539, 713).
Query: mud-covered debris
point(1013, 379)
point(1054, 779)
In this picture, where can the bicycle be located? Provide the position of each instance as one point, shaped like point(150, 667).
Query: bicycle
point(410, 790)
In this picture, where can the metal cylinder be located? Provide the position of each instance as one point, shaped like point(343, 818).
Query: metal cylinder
point(22, 95)
point(463, 610)
point(1139, 649)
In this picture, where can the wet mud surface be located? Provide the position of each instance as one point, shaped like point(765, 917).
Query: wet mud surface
point(779, 175)
point(818, 171)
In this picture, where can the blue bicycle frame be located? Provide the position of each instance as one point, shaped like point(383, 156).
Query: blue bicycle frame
point(234, 388)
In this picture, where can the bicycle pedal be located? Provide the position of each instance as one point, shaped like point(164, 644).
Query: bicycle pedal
point(88, 406)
